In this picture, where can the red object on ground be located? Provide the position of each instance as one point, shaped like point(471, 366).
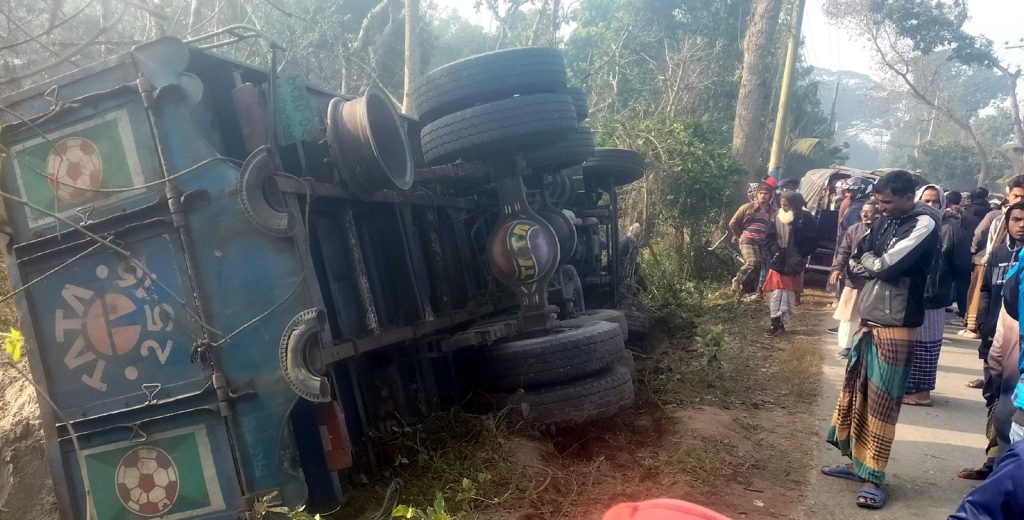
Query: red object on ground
point(661, 509)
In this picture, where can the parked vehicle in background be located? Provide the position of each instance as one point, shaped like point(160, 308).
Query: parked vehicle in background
point(823, 191)
point(230, 280)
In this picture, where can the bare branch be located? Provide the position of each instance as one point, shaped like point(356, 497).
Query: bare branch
point(47, 30)
point(68, 55)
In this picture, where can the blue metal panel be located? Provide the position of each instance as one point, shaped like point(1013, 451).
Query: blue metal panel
point(101, 145)
point(199, 470)
point(242, 274)
point(105, 330)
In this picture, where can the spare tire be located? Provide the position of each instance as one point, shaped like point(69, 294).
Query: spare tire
point(579, 100)
point(485, 78)
point(621, 165)
point(574, 149)
point(639, 324)
point(501, 128)
point(597, 397)
point(567, 354)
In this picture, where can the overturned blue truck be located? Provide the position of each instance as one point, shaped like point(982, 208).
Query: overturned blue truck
point(228, 280)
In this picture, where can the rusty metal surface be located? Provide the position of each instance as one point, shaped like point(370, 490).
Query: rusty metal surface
point(482, 334)
point(393, 335)
point(336, 191)
point(459, 172)
point(359, 275)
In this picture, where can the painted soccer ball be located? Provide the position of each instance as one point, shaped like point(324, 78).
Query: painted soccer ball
point(147, 481)
point(74, 167)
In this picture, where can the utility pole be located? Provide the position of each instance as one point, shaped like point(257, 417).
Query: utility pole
point(782, 117)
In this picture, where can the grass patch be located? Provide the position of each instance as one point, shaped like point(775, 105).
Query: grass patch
point(481, 467)
point(705, 363)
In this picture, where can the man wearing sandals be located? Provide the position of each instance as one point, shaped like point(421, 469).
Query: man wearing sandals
point(894, 259)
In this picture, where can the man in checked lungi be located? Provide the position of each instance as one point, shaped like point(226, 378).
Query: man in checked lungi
point(894, 258)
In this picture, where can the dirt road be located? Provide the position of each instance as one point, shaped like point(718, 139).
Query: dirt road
point(931, 443)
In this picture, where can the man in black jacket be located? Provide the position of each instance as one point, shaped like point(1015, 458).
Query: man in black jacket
point(894, 258)
point(951, 257)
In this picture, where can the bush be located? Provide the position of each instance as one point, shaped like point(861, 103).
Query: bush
point(689, 180)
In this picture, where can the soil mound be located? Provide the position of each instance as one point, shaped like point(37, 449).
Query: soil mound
point(26, 490)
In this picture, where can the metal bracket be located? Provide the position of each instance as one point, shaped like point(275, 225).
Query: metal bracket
point(151, 389)
point(85, 212)
point(137, 434)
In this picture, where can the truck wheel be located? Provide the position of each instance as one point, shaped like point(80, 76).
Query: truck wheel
point(597, 397)
point(503, 127)
point(579, 100)
point(639, 324)
point(567, 354)
point(608, 315)
point(487, 77)
point(574, 149)
point(623, 166)
point(260, 199)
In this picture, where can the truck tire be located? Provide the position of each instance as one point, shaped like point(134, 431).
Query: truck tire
point(609, 315)
point(568, 354)
point(485, 78)
point(629, 362)
point(623, 166)
point(574, 149)
point(500, 128)
point(579, 101)
point(639, 324)
point(596, 397)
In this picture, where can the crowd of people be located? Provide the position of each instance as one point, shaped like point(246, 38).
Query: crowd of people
point(909, 258)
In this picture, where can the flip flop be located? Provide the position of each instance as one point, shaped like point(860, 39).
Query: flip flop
point(868, 494)
point(841, 471)
point(917, 402)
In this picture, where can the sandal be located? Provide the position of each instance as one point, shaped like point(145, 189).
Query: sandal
point(842, 471)
point(981, 473)
point(870, 497)
point(917, 402)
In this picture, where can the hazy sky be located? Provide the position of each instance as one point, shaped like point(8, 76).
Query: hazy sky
point(827, 46)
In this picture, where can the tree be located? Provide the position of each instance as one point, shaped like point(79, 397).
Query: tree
point(903, 31)
point(412, 11)
point(948, 163)
point(756, 81)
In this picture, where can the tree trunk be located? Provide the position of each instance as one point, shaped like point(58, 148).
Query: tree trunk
point(556, 21)
point(536, 28)
point(982, 155)
point(1018, 128)
point(754, 101)
point(412, 12)
point(194, 12)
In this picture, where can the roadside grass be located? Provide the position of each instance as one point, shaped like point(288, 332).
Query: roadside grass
point(703, 363)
